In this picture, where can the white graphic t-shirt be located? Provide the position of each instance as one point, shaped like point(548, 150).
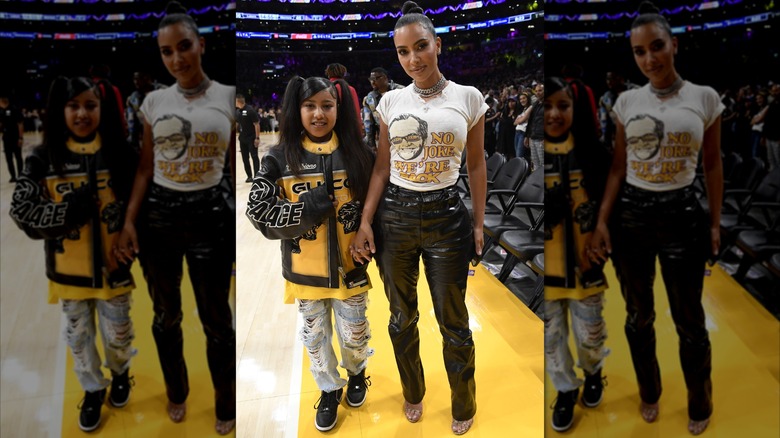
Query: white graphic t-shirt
point(664, 138)
point(190, 138)
point(427, 138)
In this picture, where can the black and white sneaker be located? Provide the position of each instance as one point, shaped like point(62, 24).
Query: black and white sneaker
point(120, 389)
point(563, 412)
point(357, 389)
point(327, 410)
point(89, 419)
point(593, 390)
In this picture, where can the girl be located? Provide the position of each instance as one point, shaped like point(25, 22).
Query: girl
point(658, 215)
point(506, 127)
point(309, 193)
point(188, 130)
point(573, 183)
point(421, 213)
point(72, 194)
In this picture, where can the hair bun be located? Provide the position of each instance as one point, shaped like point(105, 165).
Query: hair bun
point(411, 8)
point(647, 7)
point(175, 7)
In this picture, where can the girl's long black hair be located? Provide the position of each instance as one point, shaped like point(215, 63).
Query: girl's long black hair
point(590, 153)
point(359, 160)
point(119, 156)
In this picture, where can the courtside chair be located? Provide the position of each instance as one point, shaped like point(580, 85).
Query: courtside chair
point(493, 164)
point(530, 196)
point(506, 183)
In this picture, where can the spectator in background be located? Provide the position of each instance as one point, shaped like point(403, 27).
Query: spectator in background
point(144, 84)
point(339, 71)
point(249, 135)
point(757, 122)
point(12, 126)
point(521, 123)
point(381, 83)
point(491, 120)
point(506, 128)
point(615, 85)
point(771, 130)
point(534, 132)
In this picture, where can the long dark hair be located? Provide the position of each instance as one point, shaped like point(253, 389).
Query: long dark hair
point(358, 158)
point(589, 152)
point(119, 156)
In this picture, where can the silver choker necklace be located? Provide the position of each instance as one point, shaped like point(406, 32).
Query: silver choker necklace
point(194, 91)
point(427, 92)
point(663, 92)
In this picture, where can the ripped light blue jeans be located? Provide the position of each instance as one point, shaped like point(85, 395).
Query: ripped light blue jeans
point(352, 331)
point(590, 332)
point(116, 329)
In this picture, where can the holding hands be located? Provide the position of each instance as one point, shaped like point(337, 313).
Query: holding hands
point(362, 248)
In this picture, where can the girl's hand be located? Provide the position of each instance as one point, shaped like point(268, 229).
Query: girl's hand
point(362, 247)
point(600, 246)
point(125, 247)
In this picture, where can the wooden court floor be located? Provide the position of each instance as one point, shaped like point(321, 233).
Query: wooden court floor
point(745, 342)
point(276, 393)
point(40, 392)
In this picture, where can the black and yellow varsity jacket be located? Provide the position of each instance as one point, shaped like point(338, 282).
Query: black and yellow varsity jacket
point(570, 224)
point(315, 236)
point(78, 215)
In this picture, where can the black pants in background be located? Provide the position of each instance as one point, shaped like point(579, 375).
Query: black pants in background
point(200, 227)
point(13, 152)
point(673, 227)
point(435, 225)
point(248, 149)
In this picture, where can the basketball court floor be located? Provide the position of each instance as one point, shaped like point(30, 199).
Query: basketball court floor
point(275, 390)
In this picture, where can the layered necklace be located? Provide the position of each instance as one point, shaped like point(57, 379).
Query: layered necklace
point(671, 89)
point(196, 90)
point(428, 92)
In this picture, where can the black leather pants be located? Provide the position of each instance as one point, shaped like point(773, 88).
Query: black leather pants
point(197, 226)
point(673, 227)
point(435, 225)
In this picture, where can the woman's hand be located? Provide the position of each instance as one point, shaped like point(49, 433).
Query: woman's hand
point(479, 241)
point(600, 244)
point(362, 247)
point(715, 241)
point(125, 247)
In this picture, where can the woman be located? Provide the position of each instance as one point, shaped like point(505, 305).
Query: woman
point(506, 127)
point(521, 122)
point(188, 129)
point(661, 129)
point(423, 131)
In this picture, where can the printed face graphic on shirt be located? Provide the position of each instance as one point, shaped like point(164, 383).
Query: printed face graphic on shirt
point(643, 136)
point(408, 136)
point(171, 135)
